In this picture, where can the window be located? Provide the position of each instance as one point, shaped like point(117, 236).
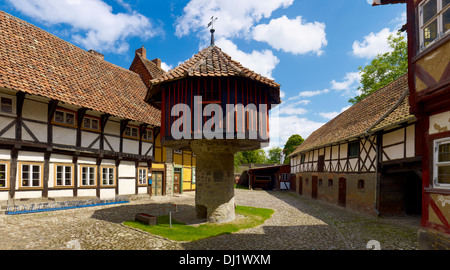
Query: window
point(30, 175)
point(7, 104)
point(442, 163)
point(91, 123)
point(360, 184)
point(63, 175)
point(353, 149)
point(64, 117)
point(147, 135)
point(88, 175)
point(434, 21)
point(302, 159)
point(142, 174)
point(132, 132)
point(330, 182)
point(320, 182)
point(108, 176)
point(4, 167)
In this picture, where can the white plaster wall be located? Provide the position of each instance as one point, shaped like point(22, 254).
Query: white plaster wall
point(107, 193)
point(30, 156)
point(88, 137)
point(28, 194)
point(112, 127)
point(130, 146)
point(60, 193)
point(5, 154)
point(394, 152)
point(91, 192)
point(56, 158)
point(127, 169)
point(65, 136)
point(34, 110)
point(410, 141)
point(11, 133)
point(114, 142)
point(393, 137)
point(142, 190)
point(126, 186)
point(4, 195)
point(38, 130)
point(439, 122)
point(145, 147)
point(343, 151)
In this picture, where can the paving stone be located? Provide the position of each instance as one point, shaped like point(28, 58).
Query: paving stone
point(297, 224)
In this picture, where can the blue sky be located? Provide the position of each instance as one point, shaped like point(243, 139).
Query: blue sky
point(312, 48)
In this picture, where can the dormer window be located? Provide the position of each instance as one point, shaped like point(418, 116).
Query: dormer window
point(434, 21)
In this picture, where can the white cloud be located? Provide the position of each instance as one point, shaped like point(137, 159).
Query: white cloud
point(235, 17)
point(350, 81)
point(309, 94)
point(94, 25)
point(292, 35)
point(282, 127)
point(165, 66)
point(373, 44)
point(262, 62)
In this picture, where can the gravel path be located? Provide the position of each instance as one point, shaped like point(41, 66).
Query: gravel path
point(297, 224)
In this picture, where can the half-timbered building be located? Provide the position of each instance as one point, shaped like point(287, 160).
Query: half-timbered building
point(73, 124)
point(365, 158)
point(428, 28)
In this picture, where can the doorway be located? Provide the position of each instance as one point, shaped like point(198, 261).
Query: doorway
point(157, 183)
point(314, 187)
point(342, 196)
point(176, 180)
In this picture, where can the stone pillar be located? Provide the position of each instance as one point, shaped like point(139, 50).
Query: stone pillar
point(214, 195)
point(169, 172)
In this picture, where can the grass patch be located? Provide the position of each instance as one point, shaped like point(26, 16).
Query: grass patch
point(181, 232)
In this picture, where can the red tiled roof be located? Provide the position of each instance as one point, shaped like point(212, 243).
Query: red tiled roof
point(382, 109)
point(39, 63)
point(212, 62)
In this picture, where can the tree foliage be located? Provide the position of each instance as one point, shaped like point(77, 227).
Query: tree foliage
point(384, 68)
point(291, 144)
point(274, 155)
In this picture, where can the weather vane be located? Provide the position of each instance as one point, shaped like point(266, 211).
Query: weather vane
point(211, 23)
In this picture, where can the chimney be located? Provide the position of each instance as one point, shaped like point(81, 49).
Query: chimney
point(157, 62)
point(142, 52)
point(97, 54)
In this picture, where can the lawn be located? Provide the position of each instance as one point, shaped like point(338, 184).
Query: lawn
point(252, 217)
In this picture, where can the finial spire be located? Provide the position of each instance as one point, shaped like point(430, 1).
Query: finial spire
point(212, 30)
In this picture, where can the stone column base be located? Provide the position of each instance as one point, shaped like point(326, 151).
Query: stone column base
point(214, 195)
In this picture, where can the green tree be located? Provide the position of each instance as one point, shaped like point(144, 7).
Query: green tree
point(291, 144)
point(384, 68)
point(247, 157)
point(274, 155)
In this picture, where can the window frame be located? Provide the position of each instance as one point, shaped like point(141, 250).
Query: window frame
point(440, 10)
point(348, 149)
point(91, 118)
point(72, 175)
point(131, 132)
point(13, 104)
point(7, 168)
point(144, 183)
point(146, 132)
point(32, 165)
point(113, 174)
point(89, 180)
point(65, 111)
point(436, 163)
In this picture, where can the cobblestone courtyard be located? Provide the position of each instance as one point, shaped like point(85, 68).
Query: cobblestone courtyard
point(297, 224)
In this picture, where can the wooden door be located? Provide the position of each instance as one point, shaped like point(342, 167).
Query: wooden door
point(300, 185)
point(176, 182)
point(157, 183)
point(342, 191)
point(314, 187)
